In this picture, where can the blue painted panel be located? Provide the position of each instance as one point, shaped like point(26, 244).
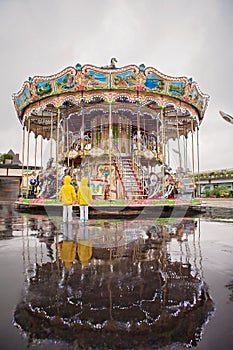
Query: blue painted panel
point(23, 98)
point(98, 76)
point(153, 81)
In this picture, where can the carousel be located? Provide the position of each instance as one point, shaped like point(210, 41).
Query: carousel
point(132, 131)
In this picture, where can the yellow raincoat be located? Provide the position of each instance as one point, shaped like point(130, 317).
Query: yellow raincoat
point(84, 251)
point(67, 252)
point(84, 192)
point(67, 194)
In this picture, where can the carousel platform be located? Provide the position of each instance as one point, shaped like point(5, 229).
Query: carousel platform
point(117, 208)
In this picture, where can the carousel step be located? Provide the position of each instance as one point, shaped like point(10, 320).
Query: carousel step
point(129, 179)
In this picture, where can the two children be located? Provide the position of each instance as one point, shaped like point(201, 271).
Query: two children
point(67, 195)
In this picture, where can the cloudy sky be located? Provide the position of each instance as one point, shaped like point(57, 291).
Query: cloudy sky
point(190, 38)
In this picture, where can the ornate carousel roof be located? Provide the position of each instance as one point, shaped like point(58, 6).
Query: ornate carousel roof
point(131, 89)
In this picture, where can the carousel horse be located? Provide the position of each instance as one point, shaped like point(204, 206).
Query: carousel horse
point(154, 186)
point(169, 191)
point(169, 186)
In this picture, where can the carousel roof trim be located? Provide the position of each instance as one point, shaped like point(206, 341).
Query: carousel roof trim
point(82, 80)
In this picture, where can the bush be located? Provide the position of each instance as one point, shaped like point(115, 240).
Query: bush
point(219, 191)
point(206, 192)
point(7, 156)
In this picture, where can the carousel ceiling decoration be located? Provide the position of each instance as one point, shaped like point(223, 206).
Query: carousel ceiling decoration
point(88, 85)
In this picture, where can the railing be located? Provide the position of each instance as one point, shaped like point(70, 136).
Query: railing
point(137, 172)
point(140, 173)
point(118, 161)
point(135, 186)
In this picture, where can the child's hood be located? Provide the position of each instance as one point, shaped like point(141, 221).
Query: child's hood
point(84, 181)
point(67, 180)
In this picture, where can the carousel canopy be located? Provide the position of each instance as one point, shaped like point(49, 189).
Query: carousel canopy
point(130, 90)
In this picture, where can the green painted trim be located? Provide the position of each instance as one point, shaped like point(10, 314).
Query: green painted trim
point(164, 201)
point(28, 201)
point(109, 202)
point(52, 201)
point(195, 201)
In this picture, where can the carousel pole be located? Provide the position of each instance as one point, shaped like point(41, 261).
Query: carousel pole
point(62, 137)
point(28, 150)
point(192, 130)
point(57, 145)
point(130, 136)
point(110, 149)
point(67, 142)
point(178, 139)
point(23, 150)
point(144, 134)
point(82, 131)
point(138, 131)
point(198, 164)
point(185, 153)
point(168, 154)
point(41, 152)
point(157, 137)
point(51, 137)
point(163, 148)
point(35, 151)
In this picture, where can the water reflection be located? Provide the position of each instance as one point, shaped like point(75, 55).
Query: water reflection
point(113, 284)
point(5, 222)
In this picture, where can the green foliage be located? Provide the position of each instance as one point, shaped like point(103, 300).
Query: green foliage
point(7, 156)
point(219, 191)
point(214, 174)
point(206, 192)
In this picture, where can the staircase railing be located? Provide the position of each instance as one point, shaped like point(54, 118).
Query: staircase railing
point(135, 189)
point(140, 173)
point(119, 173)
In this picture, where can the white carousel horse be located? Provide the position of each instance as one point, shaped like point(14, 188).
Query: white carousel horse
point(154, 186)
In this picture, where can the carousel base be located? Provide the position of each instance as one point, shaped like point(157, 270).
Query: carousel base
point(117, 209)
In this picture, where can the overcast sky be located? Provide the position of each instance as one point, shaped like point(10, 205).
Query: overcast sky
point(190, 38)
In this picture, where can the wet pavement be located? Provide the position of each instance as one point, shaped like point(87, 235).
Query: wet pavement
point(115, 284)
point(217, 209)
point(218, 202)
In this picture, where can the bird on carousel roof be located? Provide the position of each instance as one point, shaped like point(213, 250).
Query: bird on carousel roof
point(112, 64)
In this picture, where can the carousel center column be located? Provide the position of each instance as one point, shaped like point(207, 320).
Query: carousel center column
point(110, 148)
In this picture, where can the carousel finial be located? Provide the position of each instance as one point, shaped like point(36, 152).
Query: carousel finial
point(112, 64)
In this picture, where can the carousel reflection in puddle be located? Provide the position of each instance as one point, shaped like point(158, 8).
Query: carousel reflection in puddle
point(114, 284)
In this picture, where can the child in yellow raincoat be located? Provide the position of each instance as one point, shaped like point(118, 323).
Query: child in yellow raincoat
point(67, 195)
point(84, 199)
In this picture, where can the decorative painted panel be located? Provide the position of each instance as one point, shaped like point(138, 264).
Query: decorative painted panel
point(123, 80)
point(96, 80)
point(89, 78)
point(153, 82)
point(177, 88)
